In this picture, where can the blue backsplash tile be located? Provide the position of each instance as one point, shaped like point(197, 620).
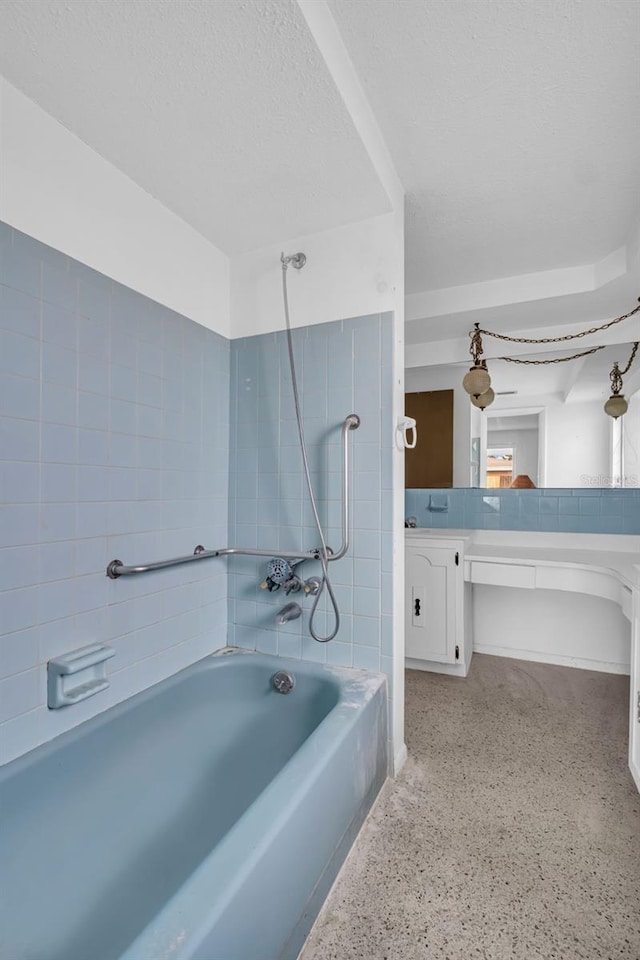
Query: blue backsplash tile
point(577, 510)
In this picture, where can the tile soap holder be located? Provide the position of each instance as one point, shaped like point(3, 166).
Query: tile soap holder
point(438, 503)
point(77, 675)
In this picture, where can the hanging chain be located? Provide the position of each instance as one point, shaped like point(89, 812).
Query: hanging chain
point(569, 336)
point(631, 358)
point(617, 374)
point(475, 348)
point(536, 363)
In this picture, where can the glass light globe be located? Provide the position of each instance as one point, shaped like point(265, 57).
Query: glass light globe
point(477, 381)
point(616, 406)
point(484, 400)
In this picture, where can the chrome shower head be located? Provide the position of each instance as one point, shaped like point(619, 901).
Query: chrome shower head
point(296, 260)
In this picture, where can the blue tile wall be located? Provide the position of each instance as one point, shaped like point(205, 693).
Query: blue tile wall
point(114, 417)
point(564, 510)
point(342, 367)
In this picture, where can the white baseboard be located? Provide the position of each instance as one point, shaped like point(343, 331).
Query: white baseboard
point(432, 666)
point(602, 666)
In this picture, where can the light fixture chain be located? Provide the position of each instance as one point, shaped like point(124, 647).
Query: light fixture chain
point(535, 363)
point(631, 359)
point(569, 336)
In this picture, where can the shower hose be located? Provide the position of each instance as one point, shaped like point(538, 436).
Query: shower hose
point(325, 582)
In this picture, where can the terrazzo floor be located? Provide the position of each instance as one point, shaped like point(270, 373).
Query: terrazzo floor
point(513, 832)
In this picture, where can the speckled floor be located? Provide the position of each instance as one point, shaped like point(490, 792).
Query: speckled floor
point(513, 832)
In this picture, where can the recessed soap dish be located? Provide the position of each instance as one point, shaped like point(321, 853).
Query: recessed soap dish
point(77, 675)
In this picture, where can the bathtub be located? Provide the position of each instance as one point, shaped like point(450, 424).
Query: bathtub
point(204, 819)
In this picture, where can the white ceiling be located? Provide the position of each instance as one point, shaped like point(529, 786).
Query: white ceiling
point(224, 111)
point(514, 126)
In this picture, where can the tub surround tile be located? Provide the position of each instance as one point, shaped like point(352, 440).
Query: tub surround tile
point(87, 473)
point(340, 367)
point(130, 431)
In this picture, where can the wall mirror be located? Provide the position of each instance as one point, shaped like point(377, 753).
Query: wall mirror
point(547, 425)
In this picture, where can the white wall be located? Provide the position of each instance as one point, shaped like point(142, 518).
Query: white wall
point(551, 626)
point(444, 378)
point(351, 271)
point(56, 189)
point(577, 444)
point(631, 441)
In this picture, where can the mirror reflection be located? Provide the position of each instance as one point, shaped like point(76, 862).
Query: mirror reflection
point(546, 427)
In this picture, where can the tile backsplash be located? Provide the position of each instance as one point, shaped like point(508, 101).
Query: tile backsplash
point(565, 510)
point(113, 443)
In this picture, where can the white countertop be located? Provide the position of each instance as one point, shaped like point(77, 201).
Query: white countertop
point(608, 553)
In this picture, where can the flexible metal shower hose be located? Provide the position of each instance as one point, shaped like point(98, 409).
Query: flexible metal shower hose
point(325, 582)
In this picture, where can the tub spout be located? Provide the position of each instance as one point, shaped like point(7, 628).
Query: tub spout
point(291, 612)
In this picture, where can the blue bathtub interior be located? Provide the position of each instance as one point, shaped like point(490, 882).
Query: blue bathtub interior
point(202, 818)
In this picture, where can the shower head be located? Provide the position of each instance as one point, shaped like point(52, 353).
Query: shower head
point(296, 260)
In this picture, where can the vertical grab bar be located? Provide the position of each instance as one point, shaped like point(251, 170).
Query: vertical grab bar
point(352, 422)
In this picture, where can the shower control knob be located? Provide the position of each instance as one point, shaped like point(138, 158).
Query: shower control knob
point(312, 586)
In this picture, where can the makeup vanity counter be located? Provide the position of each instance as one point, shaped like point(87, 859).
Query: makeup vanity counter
point(514, 593)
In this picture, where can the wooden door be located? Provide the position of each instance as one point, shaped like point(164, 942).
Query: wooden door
point(431, 463)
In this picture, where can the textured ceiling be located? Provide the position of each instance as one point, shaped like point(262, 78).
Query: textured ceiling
point(224, 111)
point(514, 126)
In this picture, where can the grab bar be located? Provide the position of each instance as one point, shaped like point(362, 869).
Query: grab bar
point(117, 568)
point(351, 423)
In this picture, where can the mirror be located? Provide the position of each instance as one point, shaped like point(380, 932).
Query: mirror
point(546, 428)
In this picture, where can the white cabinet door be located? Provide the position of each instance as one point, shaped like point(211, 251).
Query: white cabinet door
point(432, 578)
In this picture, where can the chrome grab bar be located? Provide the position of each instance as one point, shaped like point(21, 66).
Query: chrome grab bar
point(118, 569)
point(351, 423)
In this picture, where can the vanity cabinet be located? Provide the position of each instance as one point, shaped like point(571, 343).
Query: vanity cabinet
point(528, 579)
point(434, 606)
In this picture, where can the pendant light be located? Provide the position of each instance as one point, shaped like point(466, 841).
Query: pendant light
point(477, 381)
point(616, 406)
